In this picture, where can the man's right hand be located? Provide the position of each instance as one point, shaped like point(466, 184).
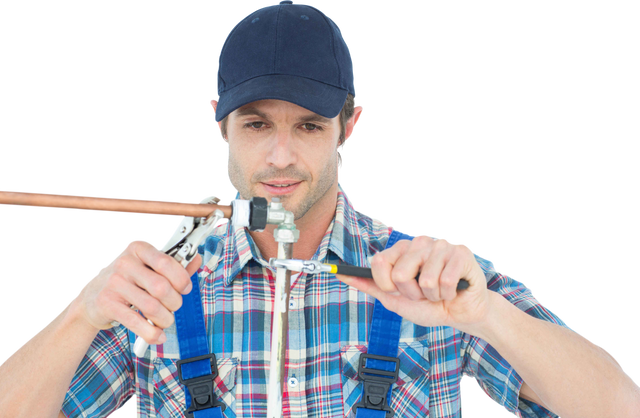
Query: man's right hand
point(144, 277)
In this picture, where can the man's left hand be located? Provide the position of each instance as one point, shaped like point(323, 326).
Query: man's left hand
point(431, 300)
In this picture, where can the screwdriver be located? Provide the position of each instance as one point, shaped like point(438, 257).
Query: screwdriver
point(314, 267)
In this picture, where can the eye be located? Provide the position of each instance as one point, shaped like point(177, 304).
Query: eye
point(311, 127)
point(258, 125)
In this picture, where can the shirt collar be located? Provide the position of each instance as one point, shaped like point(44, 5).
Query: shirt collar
point(343, 237)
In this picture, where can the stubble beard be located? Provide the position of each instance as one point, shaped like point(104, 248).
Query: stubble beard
point(327, 178)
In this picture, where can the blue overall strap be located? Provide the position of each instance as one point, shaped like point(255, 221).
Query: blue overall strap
point(197, 368)
point(378, 368)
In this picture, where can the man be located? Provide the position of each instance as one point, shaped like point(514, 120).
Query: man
point(285, 77)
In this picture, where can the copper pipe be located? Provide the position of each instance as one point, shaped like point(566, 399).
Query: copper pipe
point(117, 205)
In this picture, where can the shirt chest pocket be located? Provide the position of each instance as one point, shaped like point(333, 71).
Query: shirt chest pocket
point(409, 394)
point(169, 395)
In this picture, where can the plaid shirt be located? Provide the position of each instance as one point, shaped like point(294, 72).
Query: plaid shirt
point(329, 329)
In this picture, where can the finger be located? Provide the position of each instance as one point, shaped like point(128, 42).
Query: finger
point(156, 285)
point(396, 251)
point(192, 268)
point(381, 267)
point(132, 320)
point(450, 277)
point(162, 264)
point(150, 307)
point(194, 265)
point(404, 274)
point(431, 270)
point(408, 266)
point(367, 286)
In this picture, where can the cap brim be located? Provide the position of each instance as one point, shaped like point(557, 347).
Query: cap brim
point(320, 98)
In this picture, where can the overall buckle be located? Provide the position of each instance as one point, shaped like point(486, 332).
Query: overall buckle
point(377, 384)
point(201, 387)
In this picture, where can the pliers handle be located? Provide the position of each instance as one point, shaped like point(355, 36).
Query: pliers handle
point(183, 247)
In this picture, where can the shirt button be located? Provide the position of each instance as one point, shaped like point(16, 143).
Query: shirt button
point(293, 382)
point(292, 304)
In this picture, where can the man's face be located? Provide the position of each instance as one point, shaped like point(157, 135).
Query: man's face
point(279, 149)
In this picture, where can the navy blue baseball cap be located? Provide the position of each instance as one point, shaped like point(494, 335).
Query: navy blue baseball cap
point(288, 52)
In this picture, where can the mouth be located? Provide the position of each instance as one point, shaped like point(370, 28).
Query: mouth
point(281, 187)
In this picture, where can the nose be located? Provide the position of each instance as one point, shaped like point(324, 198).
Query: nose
point(282, 153)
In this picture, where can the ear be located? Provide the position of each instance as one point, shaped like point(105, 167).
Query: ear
point(357, 111)
point(212, 102)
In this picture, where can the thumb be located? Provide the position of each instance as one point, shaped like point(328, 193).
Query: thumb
point(194, 265)
point(351, 281)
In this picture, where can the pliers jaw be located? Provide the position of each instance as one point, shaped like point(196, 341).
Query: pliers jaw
point(184, 243)
point(279, 263)
point(304, 266)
